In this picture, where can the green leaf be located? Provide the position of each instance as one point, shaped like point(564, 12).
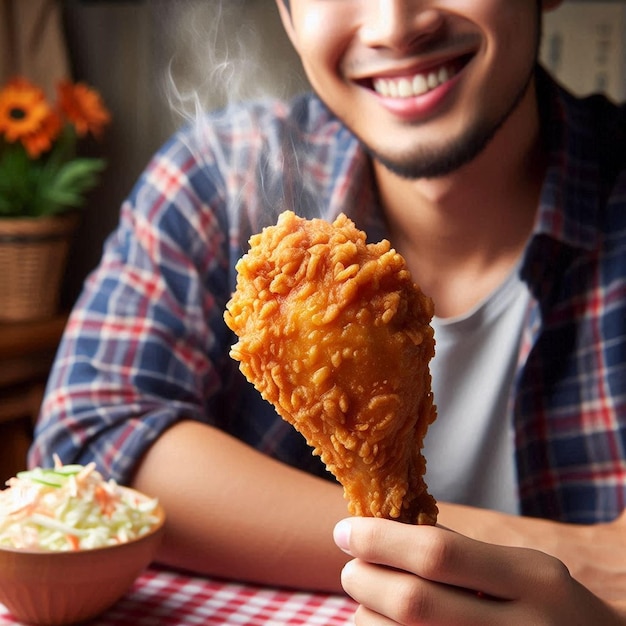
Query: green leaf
point(67, 185)
point(47, 186)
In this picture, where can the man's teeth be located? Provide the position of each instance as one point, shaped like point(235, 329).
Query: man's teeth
point(407, 87)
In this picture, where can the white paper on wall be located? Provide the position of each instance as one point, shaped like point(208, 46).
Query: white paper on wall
point(584, 47)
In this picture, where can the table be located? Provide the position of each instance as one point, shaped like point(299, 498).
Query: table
point(167, 598)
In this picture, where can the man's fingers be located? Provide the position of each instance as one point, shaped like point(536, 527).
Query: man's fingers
point(443, 556)
point(428, 576)
point(366, 617)
point(407, 599)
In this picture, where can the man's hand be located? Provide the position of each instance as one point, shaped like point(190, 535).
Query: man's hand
point(425, 575)
point(595, 555)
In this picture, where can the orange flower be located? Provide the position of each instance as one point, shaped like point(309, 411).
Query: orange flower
point(83, 107)
point(41, 169)
point(41, 141)
point(26, 116)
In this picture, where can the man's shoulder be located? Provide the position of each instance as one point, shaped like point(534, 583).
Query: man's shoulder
point(583, 197)
point(600, 122)
point(268, 126)
point(303, 113)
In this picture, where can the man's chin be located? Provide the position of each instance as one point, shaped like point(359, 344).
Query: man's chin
point(435, 162)
point(425, 166)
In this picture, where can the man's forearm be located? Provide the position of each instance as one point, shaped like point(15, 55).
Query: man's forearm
point(233, 512)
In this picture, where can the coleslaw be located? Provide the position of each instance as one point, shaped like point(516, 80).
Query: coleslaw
point(71, 507)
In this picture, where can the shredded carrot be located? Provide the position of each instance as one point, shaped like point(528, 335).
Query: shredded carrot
point(73, 541)
point(105, 501)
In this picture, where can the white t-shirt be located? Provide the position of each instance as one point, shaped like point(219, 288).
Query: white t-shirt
point(470, 447)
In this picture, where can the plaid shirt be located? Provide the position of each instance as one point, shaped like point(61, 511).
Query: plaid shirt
point(146, 344)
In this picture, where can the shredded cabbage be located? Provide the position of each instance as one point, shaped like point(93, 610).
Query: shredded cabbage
point(71, 507)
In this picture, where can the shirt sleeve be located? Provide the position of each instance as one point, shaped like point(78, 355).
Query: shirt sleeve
point(142, 346)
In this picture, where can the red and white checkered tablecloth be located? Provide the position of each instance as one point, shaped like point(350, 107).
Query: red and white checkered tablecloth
point(165, 598)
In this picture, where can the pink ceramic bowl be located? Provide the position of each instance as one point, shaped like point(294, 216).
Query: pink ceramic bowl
point(54, 588)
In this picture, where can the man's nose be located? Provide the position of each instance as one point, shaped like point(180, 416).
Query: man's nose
point(398, 24)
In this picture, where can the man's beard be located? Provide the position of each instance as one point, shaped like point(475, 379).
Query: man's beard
point(438, 162)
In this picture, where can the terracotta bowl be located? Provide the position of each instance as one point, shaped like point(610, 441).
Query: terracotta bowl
point(54, 588)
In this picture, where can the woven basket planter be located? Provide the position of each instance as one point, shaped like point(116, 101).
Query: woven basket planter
point(33, 258)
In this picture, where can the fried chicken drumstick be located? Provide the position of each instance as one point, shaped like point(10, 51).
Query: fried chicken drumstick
point(333, 332)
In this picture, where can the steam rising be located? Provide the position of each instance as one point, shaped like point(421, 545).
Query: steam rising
point(225, 51)
point(219, 52)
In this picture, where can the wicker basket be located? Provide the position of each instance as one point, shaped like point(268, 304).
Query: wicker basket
point(33, 257)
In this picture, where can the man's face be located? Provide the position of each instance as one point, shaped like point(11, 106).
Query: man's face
point(424, 84)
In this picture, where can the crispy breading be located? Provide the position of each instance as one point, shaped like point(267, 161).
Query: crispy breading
point(334, 333)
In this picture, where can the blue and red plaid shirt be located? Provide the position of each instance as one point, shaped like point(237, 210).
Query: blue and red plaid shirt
point(146, 345)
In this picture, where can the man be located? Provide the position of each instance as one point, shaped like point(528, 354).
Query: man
point(446, 138)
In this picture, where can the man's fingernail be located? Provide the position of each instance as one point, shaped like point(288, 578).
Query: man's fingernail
point(341, 535)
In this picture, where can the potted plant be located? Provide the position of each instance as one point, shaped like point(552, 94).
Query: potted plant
point(43, 184)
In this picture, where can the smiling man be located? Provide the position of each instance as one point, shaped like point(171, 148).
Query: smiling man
point(431, 124)
point(406, 81)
